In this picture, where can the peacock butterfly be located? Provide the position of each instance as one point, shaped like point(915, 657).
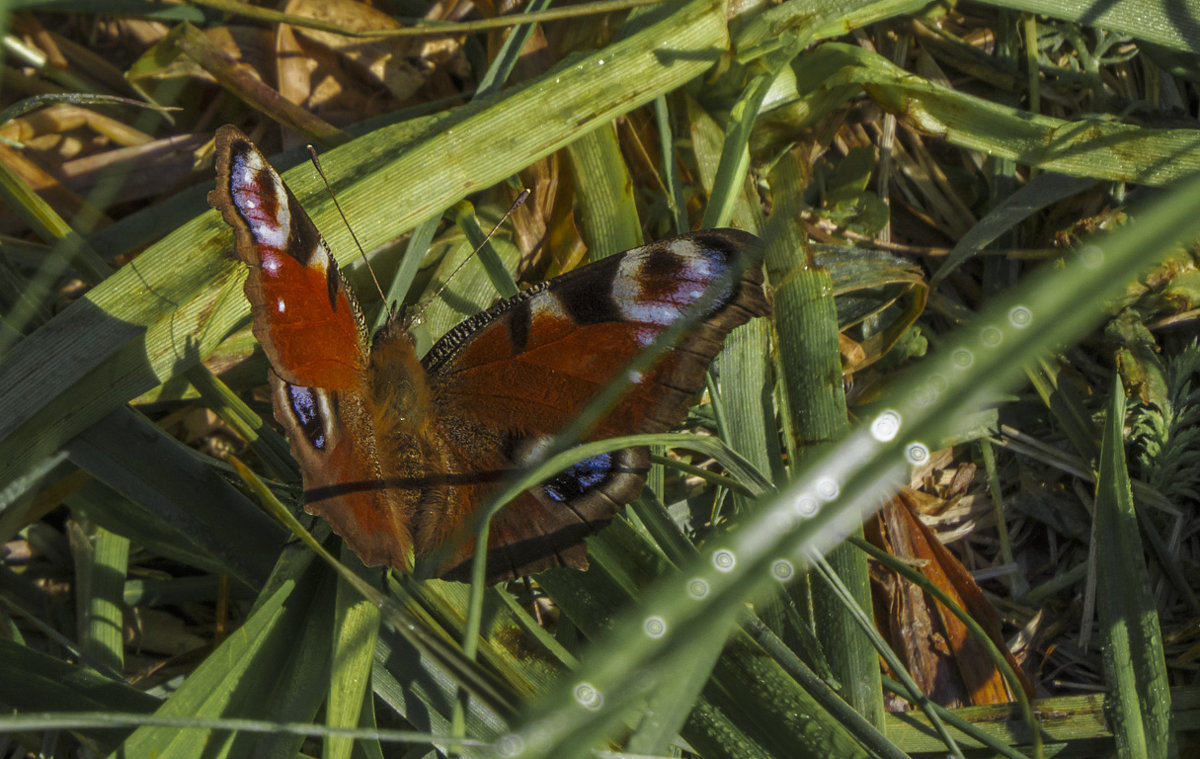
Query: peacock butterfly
point(398, 452)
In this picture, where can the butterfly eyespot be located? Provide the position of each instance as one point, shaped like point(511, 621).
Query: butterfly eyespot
point(308, 409)
point(579, 478)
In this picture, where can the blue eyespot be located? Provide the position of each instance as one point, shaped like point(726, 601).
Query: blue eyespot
point(577, 480)
point(306, 408)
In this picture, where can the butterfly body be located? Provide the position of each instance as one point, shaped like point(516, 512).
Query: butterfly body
point(398, 452)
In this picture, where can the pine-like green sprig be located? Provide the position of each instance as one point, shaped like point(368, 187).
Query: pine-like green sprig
point(1167, 436)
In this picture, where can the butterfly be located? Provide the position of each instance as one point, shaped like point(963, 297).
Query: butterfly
point(398, 453)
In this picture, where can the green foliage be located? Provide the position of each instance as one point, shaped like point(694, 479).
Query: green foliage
point(1167, 433)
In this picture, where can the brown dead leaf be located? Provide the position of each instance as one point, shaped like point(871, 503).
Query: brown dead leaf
point(946, 662)
point(399, 65)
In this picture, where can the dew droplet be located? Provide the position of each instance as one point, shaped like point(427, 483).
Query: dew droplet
point(588, 697)
point(886, 426)
point(509, 745)
point(991, 337)
point(827, 489)
point(724, 560)
point(697, 588)
point(1091, 256)
point(1020, 317)
point(962, 358)
point(783, 570)
point(916, 453)
point(655, 627)
point(806, 506)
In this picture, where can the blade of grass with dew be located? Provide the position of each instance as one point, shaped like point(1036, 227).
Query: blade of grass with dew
point(1132, 649)
point(669, 712)
point(924, 402)
point(766, 708)
point(825, 705)
point(164, 311)
point(607, 213)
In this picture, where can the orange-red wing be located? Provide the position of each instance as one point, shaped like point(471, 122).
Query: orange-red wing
point(305, 316)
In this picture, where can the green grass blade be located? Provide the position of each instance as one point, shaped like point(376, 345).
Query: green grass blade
point(607, 213)
point(36, 682)
point(1172, 25)
point(810, 370)
point(1132, 648)
point(179, 500)
point(355, 630)
point(102, 560)
point(1041, 191)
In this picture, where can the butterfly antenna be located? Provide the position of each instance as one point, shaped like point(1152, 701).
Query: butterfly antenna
point(316, 162)
point(521, 198)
